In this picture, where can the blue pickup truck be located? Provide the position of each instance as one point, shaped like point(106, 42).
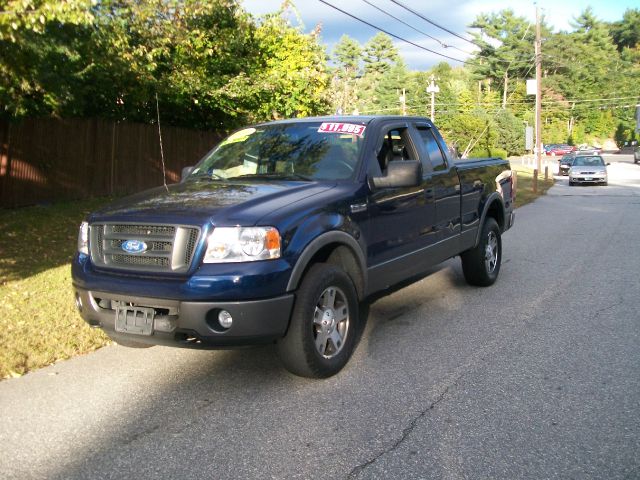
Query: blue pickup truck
point(281, 232)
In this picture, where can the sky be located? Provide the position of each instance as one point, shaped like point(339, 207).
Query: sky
point(454, 15)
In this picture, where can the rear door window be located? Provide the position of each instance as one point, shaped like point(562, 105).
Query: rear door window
point(432, 149)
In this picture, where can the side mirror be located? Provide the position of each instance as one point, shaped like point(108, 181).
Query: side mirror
point(186, 171)
point(400, 173)
point(608, 164)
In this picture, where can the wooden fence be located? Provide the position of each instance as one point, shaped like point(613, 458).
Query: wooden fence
point(46, 160)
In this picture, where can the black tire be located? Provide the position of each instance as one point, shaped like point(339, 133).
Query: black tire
point(571, 183)
point(481, 264)
point(322, 333)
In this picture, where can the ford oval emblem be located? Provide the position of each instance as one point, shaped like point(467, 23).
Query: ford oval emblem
point(134, 246)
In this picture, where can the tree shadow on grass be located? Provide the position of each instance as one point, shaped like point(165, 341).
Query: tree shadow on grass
point(35, 239)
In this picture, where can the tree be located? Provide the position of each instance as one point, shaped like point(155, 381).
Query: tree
point(209, 64)
point(509, 132)
point(626, 33)
point(20, 17)
point(383, 73)
point(292, 75)
point(379, 54)
point(40, 54)
point(506, 52)
point(347, 55)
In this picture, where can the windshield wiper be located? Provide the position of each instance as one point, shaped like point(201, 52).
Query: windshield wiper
point(208, 176)
point(279, 176)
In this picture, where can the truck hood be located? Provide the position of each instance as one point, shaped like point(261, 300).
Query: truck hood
point(201, 201)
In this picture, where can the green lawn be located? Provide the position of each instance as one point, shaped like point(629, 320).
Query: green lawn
point(524, 189)
point(38, 321)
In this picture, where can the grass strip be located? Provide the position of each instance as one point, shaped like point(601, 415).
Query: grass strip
point(38, 321)
point(524, 188)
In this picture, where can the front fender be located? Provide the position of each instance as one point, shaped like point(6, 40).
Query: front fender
point(335, 237)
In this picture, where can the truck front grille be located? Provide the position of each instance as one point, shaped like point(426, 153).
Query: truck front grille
point(167, 248)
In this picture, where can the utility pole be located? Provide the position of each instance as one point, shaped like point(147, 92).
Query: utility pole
point(433, 89)
point(538, 47)
point(403, 102)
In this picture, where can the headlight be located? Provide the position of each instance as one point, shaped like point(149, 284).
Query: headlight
point(242, 244)
point(83, 238)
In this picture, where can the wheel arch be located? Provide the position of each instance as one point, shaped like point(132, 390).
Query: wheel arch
point(494, 208)
point(337, 248)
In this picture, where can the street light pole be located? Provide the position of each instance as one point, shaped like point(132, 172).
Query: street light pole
point(433, 89)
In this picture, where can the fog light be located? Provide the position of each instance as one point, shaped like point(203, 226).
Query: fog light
point(225, 319)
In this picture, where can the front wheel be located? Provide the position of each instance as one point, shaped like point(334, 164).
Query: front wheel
point(321, 335)
point(481, 264)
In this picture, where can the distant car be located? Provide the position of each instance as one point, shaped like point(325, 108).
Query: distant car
point(636, 154)
point(559, 149)
point(588, 169)
point(589, 150)
point(565, 163)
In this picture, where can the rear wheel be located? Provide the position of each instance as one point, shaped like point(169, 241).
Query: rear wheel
point(321, 336)
point(481, 264)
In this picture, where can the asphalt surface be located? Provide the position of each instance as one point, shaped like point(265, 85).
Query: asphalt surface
point(535, 377)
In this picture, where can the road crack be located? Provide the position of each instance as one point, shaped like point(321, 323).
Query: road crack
point(405, 434)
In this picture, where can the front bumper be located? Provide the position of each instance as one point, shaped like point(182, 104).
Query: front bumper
point(190, 324)
point(588, 178)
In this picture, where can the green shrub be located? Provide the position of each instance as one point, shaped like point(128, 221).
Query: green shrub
point(482, 152)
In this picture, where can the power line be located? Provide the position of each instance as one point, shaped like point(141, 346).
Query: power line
point(586, 100)
point(435, 24)
point(477, 55)
point(442, 44)
point(468, 62)
point(394, 35)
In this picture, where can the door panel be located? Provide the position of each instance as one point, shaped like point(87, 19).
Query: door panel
point(400, 219)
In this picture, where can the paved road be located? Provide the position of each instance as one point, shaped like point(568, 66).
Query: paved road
point(535, 377)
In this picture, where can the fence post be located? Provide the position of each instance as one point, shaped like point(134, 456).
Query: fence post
point(546, 172)
point(5, 161)
point(534, 184)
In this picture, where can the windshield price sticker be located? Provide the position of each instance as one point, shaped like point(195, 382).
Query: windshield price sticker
point(332, 127)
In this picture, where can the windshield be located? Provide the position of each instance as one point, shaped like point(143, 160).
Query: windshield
point(588, 162)
point(291, 151)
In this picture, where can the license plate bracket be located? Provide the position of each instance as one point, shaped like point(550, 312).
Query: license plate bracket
point(134, 320)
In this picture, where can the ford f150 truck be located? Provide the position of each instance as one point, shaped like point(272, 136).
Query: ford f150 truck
point(281, 231)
